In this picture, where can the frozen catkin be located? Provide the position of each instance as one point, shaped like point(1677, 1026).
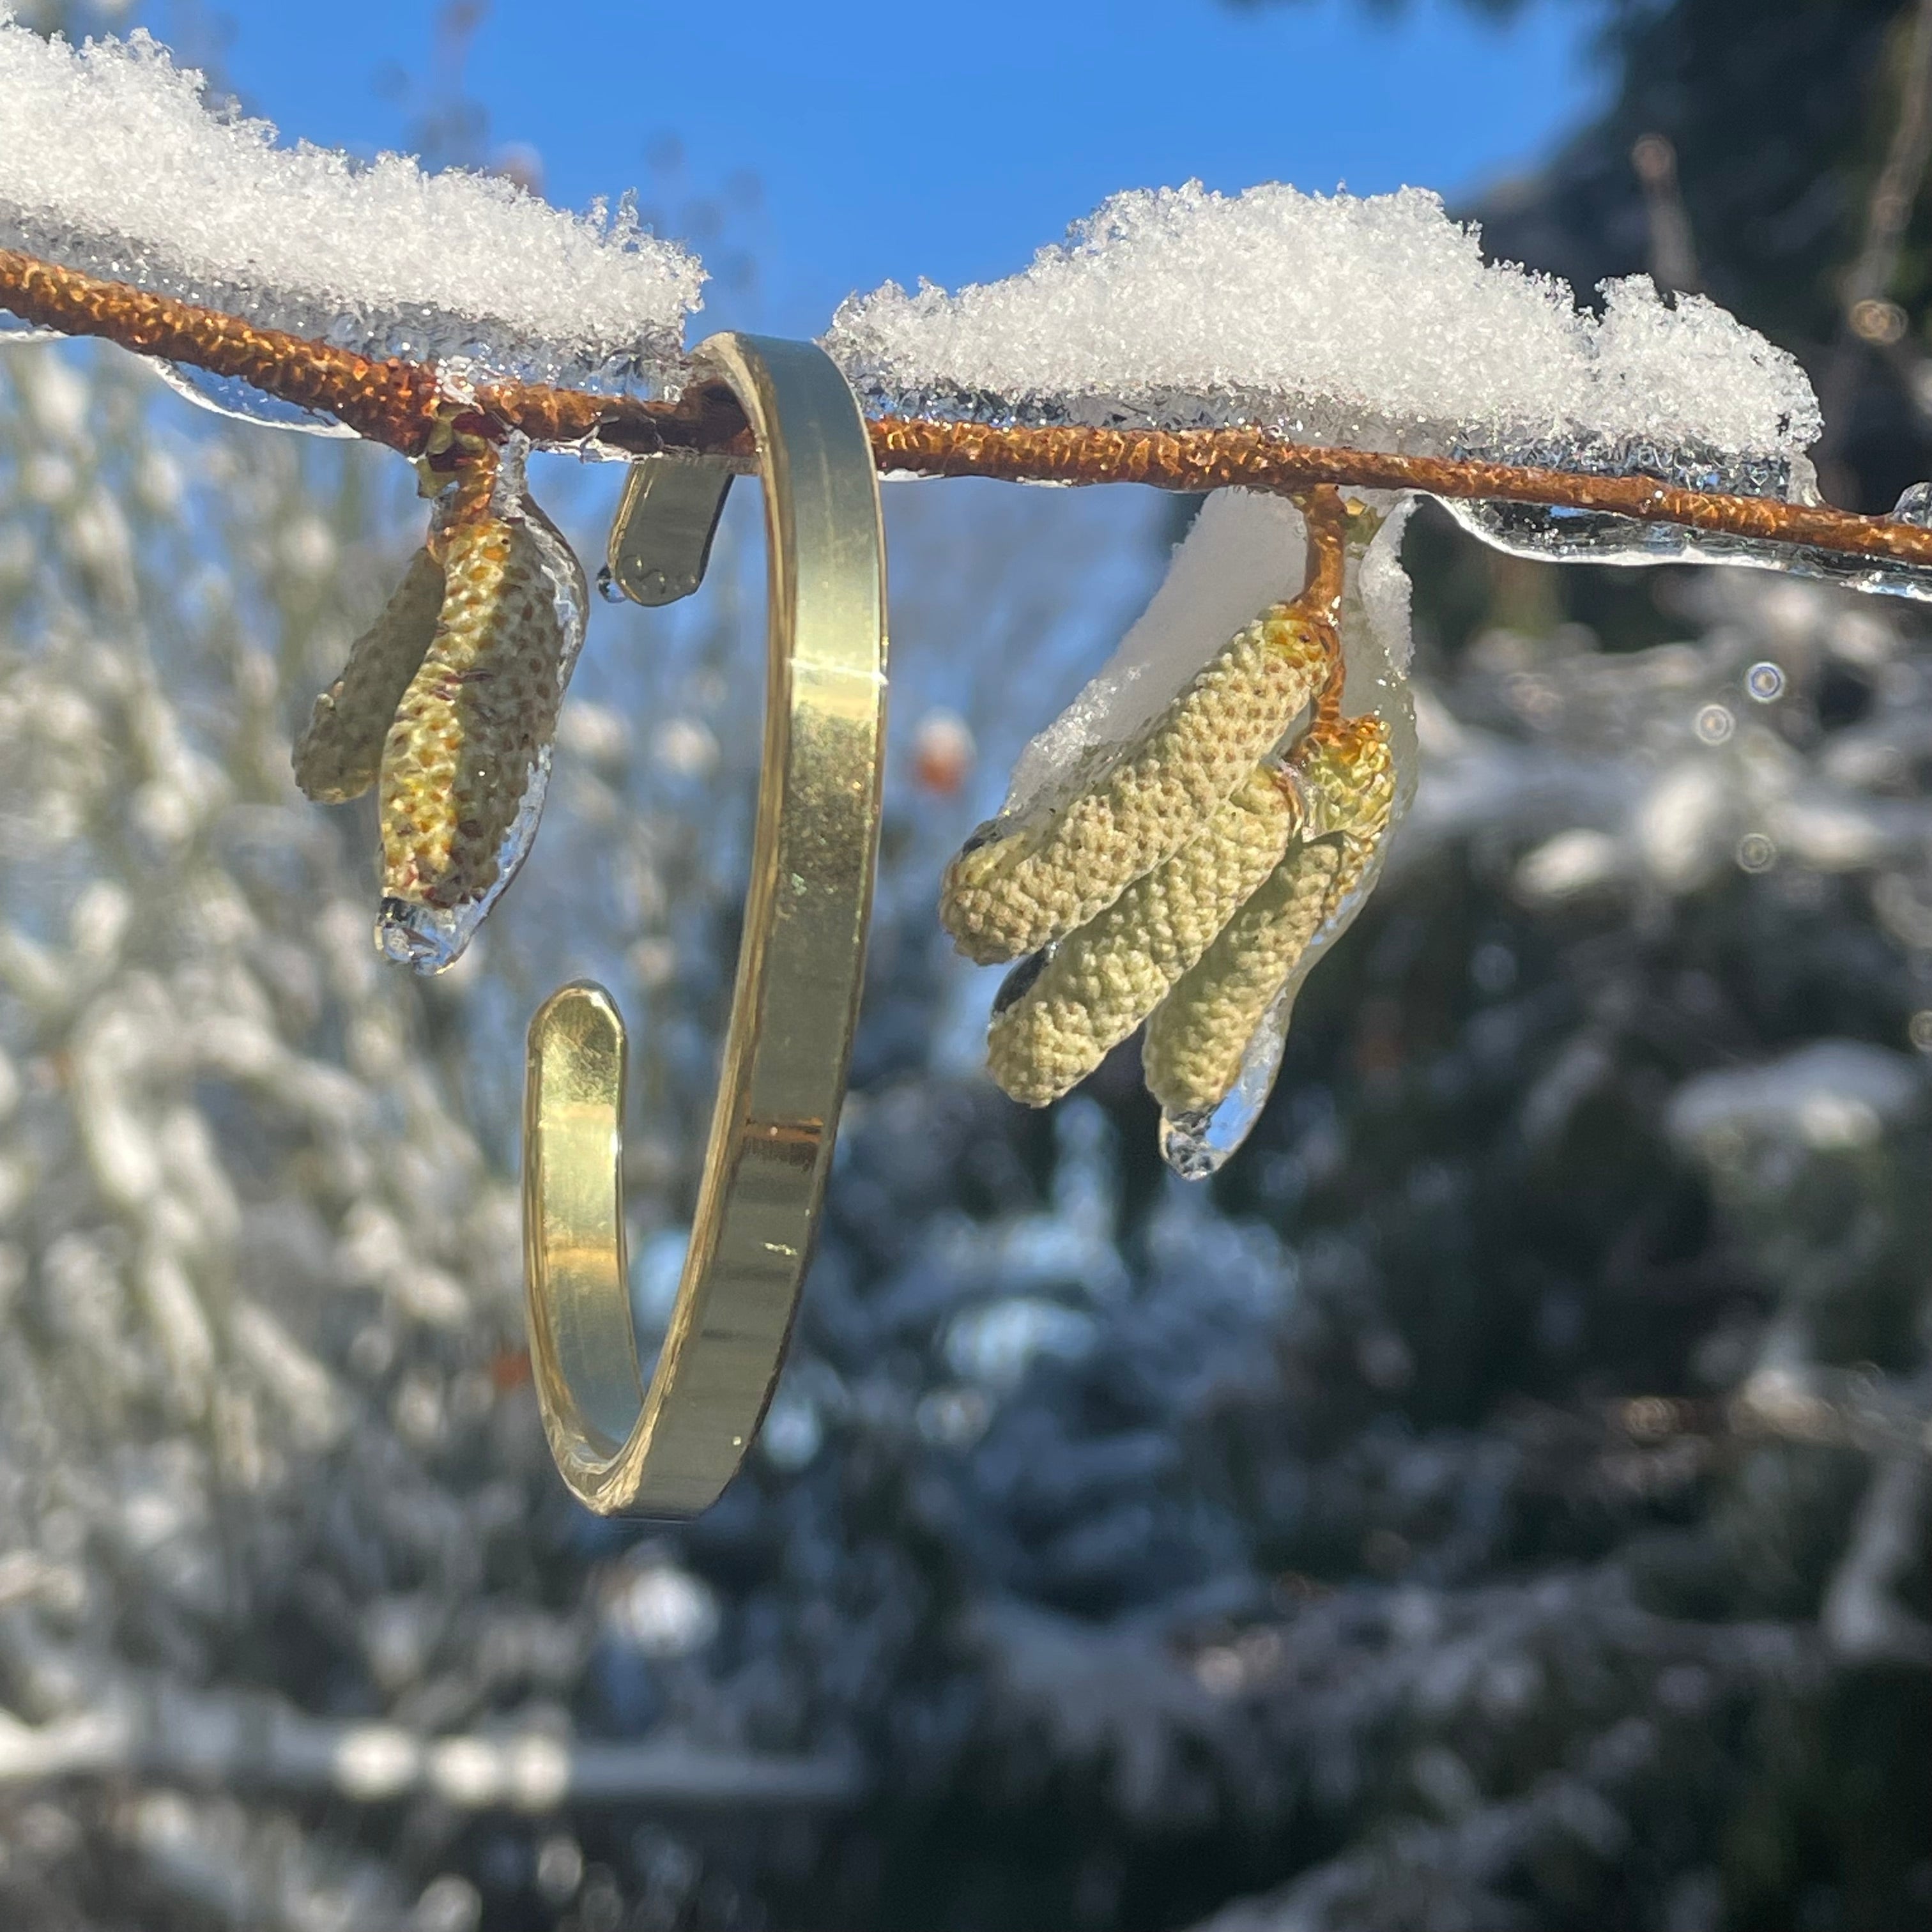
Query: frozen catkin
point(1061, 1011)
point(1198, 1037)
point(475, 719)
point(340, 754)
point(448, 703)
point(1011, 892)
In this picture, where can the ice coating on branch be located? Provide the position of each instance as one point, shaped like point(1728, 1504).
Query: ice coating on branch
point(1372, 322)
point(1598, 536)
point(112, 163)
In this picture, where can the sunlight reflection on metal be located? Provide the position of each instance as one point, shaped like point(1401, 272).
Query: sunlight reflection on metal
point(668, 1449)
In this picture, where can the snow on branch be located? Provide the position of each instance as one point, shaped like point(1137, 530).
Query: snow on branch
point(1374, 323)
point(114, 164)
point(393, 402)
point(1187, 340)
point(1375, 329)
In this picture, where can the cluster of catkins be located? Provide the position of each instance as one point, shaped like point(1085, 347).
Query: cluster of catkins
point(1185, 882)
point(449, 701)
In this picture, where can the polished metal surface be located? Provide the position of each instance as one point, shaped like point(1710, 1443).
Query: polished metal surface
point(667, 1449)
point(660, 538)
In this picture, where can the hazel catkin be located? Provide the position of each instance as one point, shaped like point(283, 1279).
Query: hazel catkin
point(478, 717)
point(1197, 1039)
point(1102, 980)
point(339, 754)
point(1010, 894)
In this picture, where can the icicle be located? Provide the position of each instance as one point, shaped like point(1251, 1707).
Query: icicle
point(232, 396)
point(1596, 536)
point(1197, 1145)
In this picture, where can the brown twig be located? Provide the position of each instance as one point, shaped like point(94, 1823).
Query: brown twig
point(394, 403)
point(1198, 459)
point(1327, 517)
point(391, 402)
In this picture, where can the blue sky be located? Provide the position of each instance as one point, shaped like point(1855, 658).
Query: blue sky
point(835, 145)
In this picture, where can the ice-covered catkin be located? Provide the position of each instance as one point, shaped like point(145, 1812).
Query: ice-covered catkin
point(340, 754)
point(1020, 883)
point(478, 717)
point(1013, 894)
point(1196, 1039)
point(449, 703)
point(1099, 982)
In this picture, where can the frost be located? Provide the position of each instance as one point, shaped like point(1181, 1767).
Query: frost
point(114, 164)
point(1373, 322)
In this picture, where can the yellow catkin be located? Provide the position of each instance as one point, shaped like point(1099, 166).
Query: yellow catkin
point(1103, 979)
point(338, 756)
point(1196, 1039)
point(464, 749)
point(1011, 895)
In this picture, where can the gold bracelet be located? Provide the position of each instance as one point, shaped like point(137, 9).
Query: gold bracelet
point(668, 1449)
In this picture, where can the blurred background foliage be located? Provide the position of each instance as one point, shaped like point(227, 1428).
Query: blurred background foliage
point(1500, 1499)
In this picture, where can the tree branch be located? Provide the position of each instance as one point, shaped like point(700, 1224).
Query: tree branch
point(394, 403)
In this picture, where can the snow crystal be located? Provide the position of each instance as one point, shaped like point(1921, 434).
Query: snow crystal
point(112, 163)
point(1373, 322)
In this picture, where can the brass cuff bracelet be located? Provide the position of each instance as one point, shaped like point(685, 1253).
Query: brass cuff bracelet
point(668, 1448)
